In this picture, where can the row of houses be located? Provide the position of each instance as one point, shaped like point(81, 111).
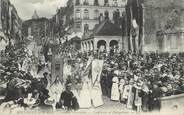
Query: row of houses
point(105, 25)
point(10, 24)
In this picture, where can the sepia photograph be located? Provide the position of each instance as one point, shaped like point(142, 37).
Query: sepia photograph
point(117, 57)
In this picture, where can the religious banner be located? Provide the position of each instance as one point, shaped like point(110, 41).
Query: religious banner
point(87, 68)
point(97, 66)
point(67, 70)
point(57, 68)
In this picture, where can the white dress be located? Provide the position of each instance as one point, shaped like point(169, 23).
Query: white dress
point(85, 98)
point(130, 97)
point(96, 95)
point(115, 95)
point(55, 91)
point(125, 92)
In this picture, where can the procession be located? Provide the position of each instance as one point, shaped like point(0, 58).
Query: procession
point(134, 80)
point(92, 56)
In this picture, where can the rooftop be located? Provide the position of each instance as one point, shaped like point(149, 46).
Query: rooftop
point(35, 15)
point(107, 28)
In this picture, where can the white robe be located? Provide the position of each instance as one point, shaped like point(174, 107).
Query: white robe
point(96, 95)
point(125, 92)
point(130, 97)
point(55, 91)
point(76, 94)
point(85, 96)
point(115, 92)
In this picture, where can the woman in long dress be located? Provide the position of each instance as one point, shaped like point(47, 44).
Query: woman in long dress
point(115, 90)
point(55, 89)
point(85, 96)
point(121, 89)
point(130, 99)
point(138, 99)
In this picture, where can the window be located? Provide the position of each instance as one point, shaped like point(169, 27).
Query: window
point(96, 2)
point(115, 2)
point(86, 14)
point(78, 14)
point(86, 2)
point(106, 2)
point(78, 25)
point(77, 2)
point(173, 42)
point(96, 14)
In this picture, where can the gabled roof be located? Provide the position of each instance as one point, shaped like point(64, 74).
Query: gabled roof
point(107, 28)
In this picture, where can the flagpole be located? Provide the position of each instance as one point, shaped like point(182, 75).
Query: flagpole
point(143, 19)
point(131, 44)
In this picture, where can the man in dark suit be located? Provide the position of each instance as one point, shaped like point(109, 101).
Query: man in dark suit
point(66, 98)
point(155, 98)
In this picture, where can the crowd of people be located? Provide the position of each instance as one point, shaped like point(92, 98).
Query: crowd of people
point(138, 81)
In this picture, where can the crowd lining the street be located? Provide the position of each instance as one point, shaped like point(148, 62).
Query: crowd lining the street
point(138, 81)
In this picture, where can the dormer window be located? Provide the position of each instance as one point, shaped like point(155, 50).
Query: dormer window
point(86, 14)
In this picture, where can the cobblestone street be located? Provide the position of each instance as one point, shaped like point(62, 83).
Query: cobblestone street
point(108, 107)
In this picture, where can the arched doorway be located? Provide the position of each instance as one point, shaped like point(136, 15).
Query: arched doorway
point(113, 46)
point(101, 45)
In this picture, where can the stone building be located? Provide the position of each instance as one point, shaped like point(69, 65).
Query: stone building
point(10, 23)
point(106, 37)
point(36, 28)
point(164, 25)
point(155, 25)
point(85, 13)
point(15, 25)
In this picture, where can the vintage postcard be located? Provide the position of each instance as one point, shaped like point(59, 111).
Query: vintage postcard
point(92, 57)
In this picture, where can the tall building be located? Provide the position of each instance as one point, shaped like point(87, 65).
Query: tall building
point(10, 23)
point(86, 13)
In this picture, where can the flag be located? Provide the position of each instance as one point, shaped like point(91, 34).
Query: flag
point(96, 91)
point(97, 66)
point(134, 12)
point(87, 71)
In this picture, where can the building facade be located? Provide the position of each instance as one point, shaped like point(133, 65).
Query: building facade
point(10, 23)
point(164, 26)
point(86, 13)
point(36, 28)
point(106, 37)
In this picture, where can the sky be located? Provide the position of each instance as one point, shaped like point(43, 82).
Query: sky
point(44, 8)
